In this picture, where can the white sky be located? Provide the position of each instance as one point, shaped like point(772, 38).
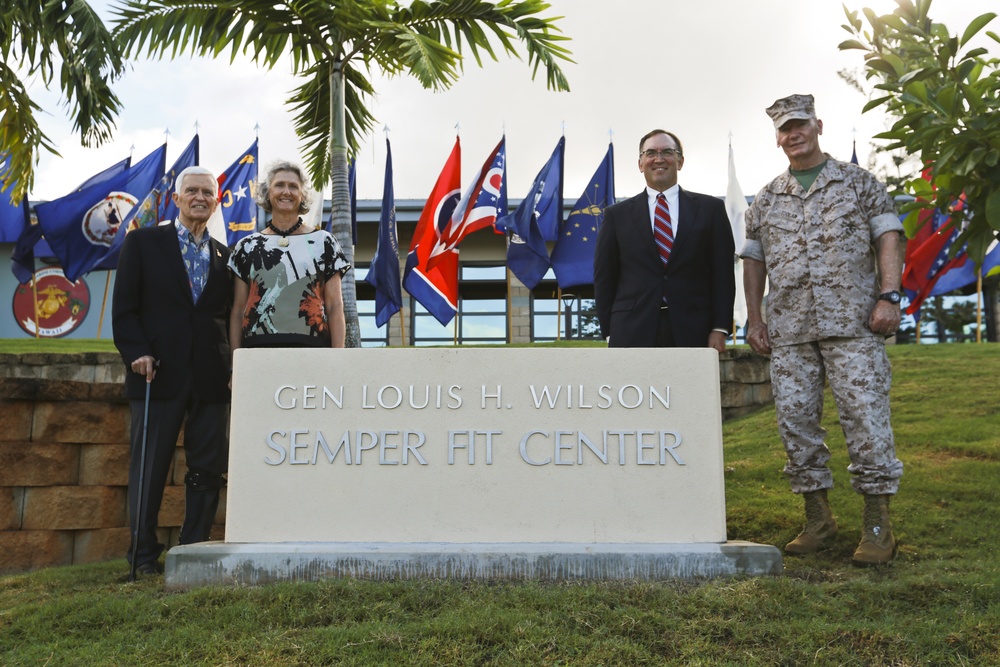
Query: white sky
point(700, 69)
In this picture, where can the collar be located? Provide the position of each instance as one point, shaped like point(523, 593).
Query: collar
point(835, 170)
point(669, 193)
point(185, 234)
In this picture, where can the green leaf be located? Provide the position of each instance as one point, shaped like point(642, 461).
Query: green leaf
point(882, 65)
point(898, 66)
point(876, 102)
point(913, 74)
point(977, 24)
point(851, 44)
point(918, 187)
point(979, 239)
point(911, 223)
point(992, 211)
point(852, 18)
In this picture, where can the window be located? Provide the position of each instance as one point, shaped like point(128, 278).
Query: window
point(371, 335)
point(573, 319)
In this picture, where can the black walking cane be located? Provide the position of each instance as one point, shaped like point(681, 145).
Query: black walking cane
point(141, 489)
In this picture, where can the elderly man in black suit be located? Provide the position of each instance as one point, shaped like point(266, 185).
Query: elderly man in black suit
point(170, 314)
point(663, 268)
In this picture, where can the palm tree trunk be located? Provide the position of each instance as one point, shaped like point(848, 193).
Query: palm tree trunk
point(341, 201)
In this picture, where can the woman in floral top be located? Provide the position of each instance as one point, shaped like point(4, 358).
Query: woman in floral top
point(287, 291)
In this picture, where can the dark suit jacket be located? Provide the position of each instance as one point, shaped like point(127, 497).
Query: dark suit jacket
point(153, 313)
point(699, 280)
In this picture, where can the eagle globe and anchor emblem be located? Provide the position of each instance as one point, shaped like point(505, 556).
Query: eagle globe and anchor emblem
point(51, 306)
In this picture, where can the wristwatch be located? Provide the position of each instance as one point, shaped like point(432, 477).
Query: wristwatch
point(892, 297)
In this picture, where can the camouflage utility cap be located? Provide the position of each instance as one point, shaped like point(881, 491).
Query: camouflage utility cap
point(793, 107)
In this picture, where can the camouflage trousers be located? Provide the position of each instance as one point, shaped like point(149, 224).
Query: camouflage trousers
point(859, 375)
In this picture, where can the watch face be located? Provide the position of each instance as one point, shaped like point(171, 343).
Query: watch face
point(892, 297)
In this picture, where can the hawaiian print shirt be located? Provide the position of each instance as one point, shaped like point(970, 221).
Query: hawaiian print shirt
point(196, 256)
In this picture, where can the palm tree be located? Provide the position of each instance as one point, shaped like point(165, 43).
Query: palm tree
point(334, 45)
point(51, 39)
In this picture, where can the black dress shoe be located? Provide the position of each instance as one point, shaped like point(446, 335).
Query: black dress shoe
point(149, 568)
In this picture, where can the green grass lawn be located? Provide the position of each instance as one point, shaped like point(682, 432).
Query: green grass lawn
point(938, 603)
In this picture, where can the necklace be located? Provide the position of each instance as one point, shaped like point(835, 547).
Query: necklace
point(284, 234)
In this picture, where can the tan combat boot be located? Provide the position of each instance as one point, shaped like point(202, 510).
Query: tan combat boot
point(820, 528)
point(878, 545)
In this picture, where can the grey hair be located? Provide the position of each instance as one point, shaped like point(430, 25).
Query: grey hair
point(264, 185)
point(192, 171)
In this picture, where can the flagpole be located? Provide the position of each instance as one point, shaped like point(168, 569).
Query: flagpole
point(104, 302)
point(558, 311)
point(506, 273)
point(979, 307)
point(34, 295)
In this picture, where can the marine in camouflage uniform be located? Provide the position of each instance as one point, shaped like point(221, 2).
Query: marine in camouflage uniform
point(831, 253)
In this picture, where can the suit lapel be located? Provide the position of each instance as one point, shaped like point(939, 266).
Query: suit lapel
point(687, 224)
point(642, 226)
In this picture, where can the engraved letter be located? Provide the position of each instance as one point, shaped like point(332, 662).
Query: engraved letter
point(664, 448)
point(407, 447)
point(277, 398)
point(524, 448)
point(276, 447)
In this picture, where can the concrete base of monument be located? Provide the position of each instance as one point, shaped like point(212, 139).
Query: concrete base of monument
point(250, 564)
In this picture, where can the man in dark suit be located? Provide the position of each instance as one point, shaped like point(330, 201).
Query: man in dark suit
point(170, 313)
point(663, 267)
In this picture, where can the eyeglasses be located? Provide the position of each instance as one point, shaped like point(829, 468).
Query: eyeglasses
point(665, 153)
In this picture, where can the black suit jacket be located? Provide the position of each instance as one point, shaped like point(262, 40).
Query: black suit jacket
point(153, 313)
point(630, 280)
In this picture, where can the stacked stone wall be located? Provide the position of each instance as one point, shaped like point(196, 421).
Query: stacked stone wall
point(64, 454)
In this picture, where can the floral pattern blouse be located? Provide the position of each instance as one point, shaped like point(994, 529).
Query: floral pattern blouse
point(285, 307)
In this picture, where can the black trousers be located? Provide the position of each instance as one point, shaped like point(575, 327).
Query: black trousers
point(206, 448)
point(665, 332)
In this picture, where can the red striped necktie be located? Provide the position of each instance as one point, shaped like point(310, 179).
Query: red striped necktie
point(661, 229)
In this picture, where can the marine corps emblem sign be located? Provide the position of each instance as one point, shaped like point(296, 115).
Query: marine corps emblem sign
point(53, 306)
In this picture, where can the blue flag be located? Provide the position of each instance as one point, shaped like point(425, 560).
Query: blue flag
point(527, 256)
point(157, 206)
point(384, 272)
point(238, 187)
point(13, 217)
point(163, 195)
point(108, 173)
point(573, 256)
point(965, 273)
point(22, 260)
point(81, 226)
point(41, 248)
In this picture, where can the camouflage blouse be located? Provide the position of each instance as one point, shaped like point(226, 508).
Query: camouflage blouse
point(819, 250)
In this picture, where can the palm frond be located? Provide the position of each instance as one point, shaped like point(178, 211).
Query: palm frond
point(50, 39)
point(473, 24)
point(20, 135)
point(311, 104)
